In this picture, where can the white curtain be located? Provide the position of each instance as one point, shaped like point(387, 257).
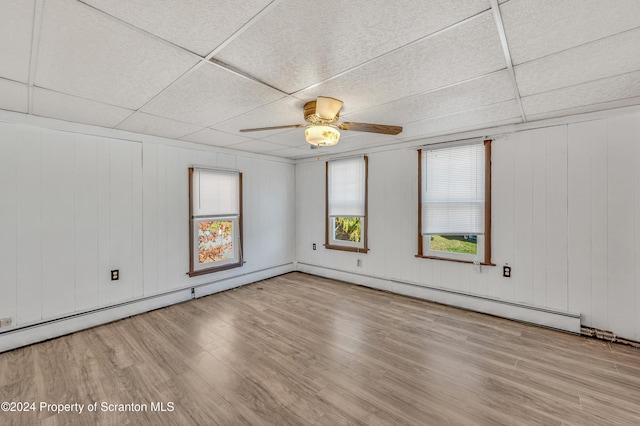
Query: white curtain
point(453, 188)
point(347, 187)
point(215, 192)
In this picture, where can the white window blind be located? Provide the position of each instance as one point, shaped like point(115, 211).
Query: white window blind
point(347, 187)
point(453, 190)
point(215, 192)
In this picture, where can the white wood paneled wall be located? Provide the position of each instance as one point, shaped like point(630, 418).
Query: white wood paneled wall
point(71, 211)
point(75, 206)
point(566, 218)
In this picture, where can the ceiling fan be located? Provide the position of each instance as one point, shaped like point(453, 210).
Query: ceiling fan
point(321, 116)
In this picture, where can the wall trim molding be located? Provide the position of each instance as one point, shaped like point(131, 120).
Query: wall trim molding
point(559, 320)
point(22, 119)
point(37, 332)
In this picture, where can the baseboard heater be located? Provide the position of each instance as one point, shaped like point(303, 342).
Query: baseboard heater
point(44, 330)
point(560, 320)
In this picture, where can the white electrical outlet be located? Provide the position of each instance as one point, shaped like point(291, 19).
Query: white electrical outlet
point(5, 322)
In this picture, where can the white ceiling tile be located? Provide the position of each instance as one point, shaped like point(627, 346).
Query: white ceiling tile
point(467, 120)
point(490, 89)
point(611, 56)
point(594, 92)
point(538, 28)
point(214, 137)
point(88, 54)
point(16, 26)
point(298, 44)
point(293, 153)
point(469, 50)
point(586, 109)
point(15, 96)
point(70, 108)
point(209, 95)
point(152, 125)
point(256, 146)
point(197, 25)
point(284, 111)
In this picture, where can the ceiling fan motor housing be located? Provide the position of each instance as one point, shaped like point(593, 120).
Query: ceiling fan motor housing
point(309, 110)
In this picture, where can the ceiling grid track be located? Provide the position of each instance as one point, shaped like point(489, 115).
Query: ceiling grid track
point(206, 60)
point(399, 48)
point(507, 55)
point(38, 11)
point(242, 29)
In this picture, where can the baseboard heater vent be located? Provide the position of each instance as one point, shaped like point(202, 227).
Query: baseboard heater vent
point(44, 330)
point(541, 316)
point(608, 336)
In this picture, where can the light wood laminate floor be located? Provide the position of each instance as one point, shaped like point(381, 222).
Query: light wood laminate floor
point(304, 350)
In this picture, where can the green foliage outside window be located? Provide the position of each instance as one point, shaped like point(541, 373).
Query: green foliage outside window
point(347, 229)
point(466, 244)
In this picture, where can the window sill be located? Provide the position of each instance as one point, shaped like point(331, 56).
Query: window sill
point(345, 248)
point(216, 269)
point(454, 260)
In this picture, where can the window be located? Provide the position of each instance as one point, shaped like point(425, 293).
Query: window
point(455, 202)
point(346, 205)
point(215, 213)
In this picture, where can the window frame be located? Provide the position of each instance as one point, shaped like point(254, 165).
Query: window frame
point(330, 242)
point(484, 256)
point(194, 269)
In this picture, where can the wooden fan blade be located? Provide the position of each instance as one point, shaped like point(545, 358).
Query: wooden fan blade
point(327, 108)
point(289, 126)
point(371, 128)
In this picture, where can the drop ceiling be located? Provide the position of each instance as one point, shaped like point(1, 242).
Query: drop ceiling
point(201, 70)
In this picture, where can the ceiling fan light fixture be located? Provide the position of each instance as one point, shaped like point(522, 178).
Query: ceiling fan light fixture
point(322, 135)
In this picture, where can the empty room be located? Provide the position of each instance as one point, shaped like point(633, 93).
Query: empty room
point(285, 212)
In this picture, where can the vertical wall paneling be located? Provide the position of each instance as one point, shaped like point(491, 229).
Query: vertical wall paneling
point(621, 221)
point(137, 219)
point(636, 143)
point(539, 237)
point(389, 249)
point(58, 227)
point(556, 250)
point(502, 175)
point(150, 201)
point(249, 203)
point(176, 222)
point(86, 221)
point(289, 202)
point(121, 219)
point(384, 244)
point(523, 217)
point(579, 220)
point(8, 220)
point(161, 220)
point(29, 226)
point(310, 211)
point(599, 209)
point(227, 161)
point(104, 223)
